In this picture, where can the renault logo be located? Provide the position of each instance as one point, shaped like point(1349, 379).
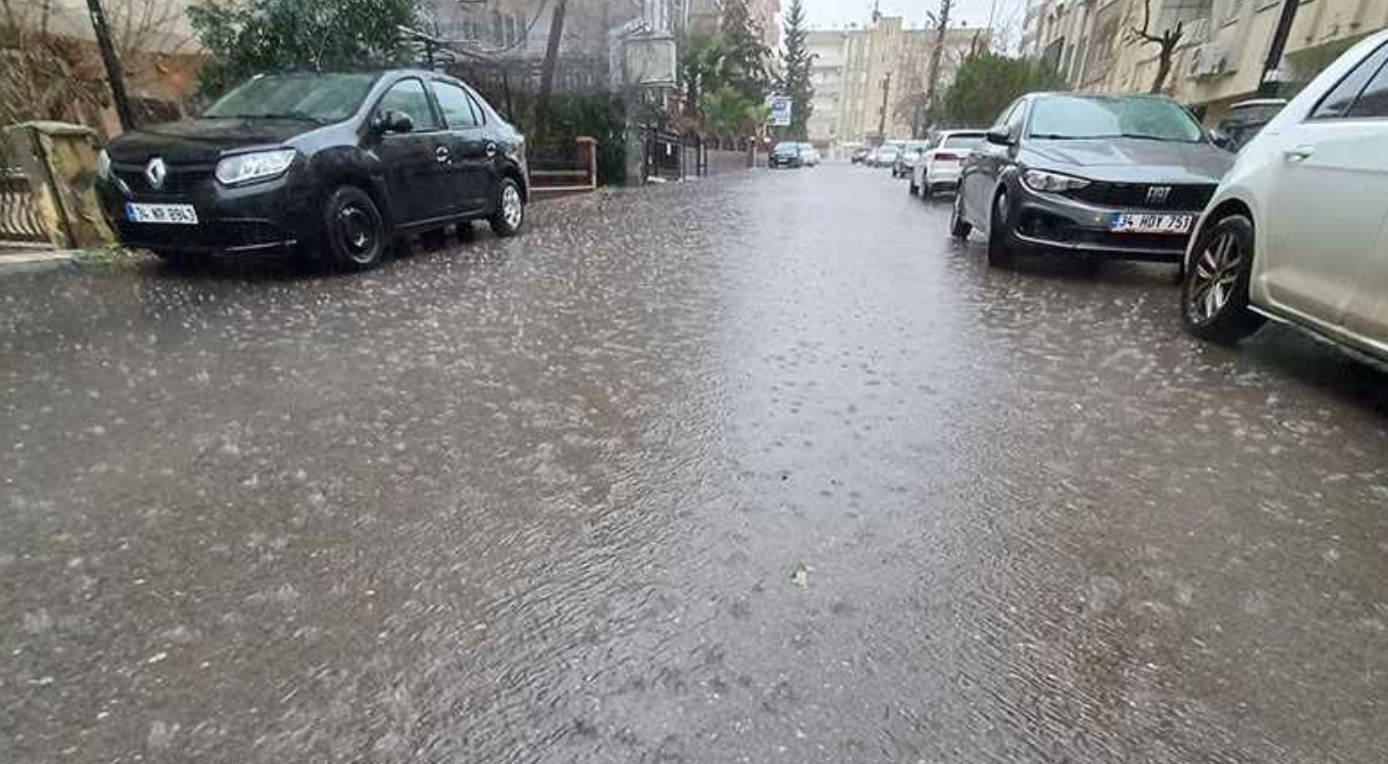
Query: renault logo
point(156, 171)
point(1157, 194)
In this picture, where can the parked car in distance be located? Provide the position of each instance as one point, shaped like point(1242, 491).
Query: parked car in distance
point(316, 164)
point(809, 155)
point(908, 158)
point(785, 154)
point(1296, 230)
point(1245, 119)
point(860, 155)
point(883, 156)
point(940, 165)
point(1097, 176)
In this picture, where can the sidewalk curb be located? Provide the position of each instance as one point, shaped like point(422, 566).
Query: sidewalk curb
point(35, 262)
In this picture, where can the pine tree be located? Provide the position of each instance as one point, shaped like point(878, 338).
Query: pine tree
point(795, 71)
point(746, 56)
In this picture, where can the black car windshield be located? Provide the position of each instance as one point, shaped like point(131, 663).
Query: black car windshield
point(312, 97)
point(786, 147)
point(1080, 118)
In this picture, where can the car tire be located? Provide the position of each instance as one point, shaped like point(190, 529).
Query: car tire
point(354, 231)
point(999, 235)
point(959, 228)
point(913, 189)
point(927, 191)
point(1214, 294)
point(510, 209)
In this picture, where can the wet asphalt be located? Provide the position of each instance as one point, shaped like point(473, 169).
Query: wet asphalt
point(760, 468)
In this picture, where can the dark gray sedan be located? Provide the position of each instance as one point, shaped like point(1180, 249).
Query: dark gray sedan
point(1120, 177)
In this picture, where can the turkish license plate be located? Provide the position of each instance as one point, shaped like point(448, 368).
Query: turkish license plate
point(1126, 222)
point(175, 214)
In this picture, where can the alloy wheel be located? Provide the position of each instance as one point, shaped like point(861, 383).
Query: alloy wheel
point(1214, 278)
point(511, 207)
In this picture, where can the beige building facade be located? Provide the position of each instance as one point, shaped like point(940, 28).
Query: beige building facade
point(870, 83)
point(1220, 59)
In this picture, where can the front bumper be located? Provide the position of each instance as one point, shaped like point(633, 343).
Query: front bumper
point(1052, 221)
point(260, 217)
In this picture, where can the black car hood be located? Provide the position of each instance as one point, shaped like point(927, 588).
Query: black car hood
point(195, 141)
point(1127, 160)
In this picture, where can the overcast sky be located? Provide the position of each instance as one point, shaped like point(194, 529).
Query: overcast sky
point(825, 14)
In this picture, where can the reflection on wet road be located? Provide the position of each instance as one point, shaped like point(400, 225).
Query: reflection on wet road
point(764, 468)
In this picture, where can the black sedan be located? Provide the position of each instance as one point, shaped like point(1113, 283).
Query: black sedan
point(317, 164)
point(1103, 176)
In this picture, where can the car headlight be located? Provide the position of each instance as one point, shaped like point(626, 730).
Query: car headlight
point(103, 165)
point(1039, 180)
point(262, 165)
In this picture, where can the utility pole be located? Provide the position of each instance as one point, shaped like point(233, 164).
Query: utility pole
point(1267, 84)
point(882, 118)
point(114, 75)
point(932, 84)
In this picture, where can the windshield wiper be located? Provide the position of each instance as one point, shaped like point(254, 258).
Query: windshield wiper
point(1145, 137)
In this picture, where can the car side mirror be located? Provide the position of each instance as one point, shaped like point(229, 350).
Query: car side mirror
point(999, 137)
point(1223, 140)
point(393, 121)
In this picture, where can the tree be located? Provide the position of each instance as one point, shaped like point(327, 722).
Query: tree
point(47, 76)
point(725, 110)
point(247, 37)
point(745, 63)
point(932, 80)
point(702, 69)
point(987, 82)
point(556, 35)
point(1166, 43)
point(796, 61)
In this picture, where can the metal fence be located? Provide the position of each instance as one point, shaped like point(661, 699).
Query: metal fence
point(19, 213)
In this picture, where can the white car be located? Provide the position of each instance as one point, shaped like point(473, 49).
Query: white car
point(1296, 231)
point(940, 164)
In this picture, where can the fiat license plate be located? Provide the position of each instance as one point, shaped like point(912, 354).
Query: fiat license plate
point(176, 214)
point(1125, 222)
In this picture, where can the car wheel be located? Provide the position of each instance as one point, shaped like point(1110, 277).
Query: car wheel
point(355, 231)
point(913, 189)
point(1214, 296)
point(510, 209)
point(959, 228)
point(999, 235)
point(927, 191)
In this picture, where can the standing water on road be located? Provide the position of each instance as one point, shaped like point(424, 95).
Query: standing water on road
point(759, 468)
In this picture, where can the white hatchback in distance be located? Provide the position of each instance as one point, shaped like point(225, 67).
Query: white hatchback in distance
point(1298, 229)
point(939, 166)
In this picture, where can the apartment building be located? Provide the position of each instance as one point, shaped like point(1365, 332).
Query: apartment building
point(826, 67)
point(877, 85)
point(1220, 59)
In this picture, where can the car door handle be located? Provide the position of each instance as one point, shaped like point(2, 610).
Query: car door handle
point(441, 153)
point(1297, 154)
point(491, 150)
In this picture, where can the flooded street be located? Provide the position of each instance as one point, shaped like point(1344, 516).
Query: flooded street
point(762, 468)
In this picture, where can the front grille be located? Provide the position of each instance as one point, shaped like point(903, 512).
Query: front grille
point(1186, 197)
point(180, 180)
point(1046, 227)
point(220, 234)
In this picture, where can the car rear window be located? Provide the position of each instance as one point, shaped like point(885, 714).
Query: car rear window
point(963, 142)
